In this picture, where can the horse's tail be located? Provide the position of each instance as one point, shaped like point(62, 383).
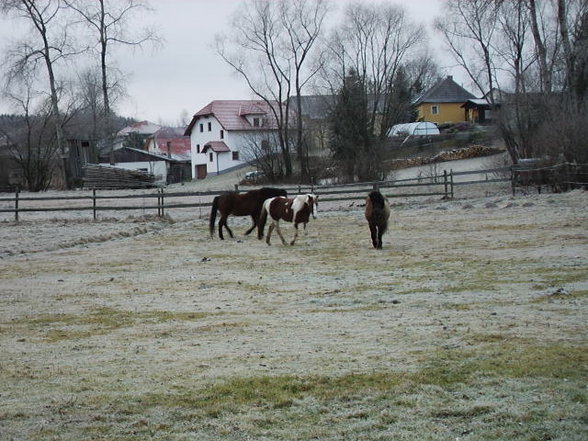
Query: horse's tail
point(262, 220)
point(213, 214)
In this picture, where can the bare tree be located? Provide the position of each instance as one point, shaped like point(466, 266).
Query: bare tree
point(269, 47)
point(370, 51)
point(109, 23)
point(469, 29)
point(545, 74)
point(31, 140)
point(375, 41)
point(48, 45)
point(252, 50)
point(263, 150)
point(531, 42)
point(89, 97)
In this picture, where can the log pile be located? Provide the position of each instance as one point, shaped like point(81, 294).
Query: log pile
point(474, 151)
point(104, 177)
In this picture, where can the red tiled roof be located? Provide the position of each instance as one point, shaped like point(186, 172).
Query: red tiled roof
point(232, 115)
point(169, 140)
point(216, 146)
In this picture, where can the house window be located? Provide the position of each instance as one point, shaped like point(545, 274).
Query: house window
point(235, 156)
point(222, 134)
point(209, 126)
point(434, 110)
point(210, 157)
point(256, 122)
point(197, 148)
point(201, 127)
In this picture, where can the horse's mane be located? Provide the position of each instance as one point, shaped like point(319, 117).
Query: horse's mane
point(377, 199)
point(271, 191)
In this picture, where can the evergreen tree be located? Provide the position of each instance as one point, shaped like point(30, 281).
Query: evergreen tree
point(350, 139)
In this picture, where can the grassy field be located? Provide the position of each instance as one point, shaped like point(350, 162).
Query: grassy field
point(470, 324)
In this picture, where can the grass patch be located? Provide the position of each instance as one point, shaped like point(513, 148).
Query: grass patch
point(275, 392)
point(99, 321)
point(386, 405)
point(505, 359)
point(562, 295)
point(478, 391)
point(512, 360)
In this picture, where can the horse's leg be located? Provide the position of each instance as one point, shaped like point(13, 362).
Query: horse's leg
point(223, 223)
point(269, 233)
point(380, 233)
point(295, 234)
point(254, 219)
point(220, 226)
point(280, 232)
point(374, 234)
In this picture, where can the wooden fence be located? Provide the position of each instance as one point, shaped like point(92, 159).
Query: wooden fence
point(556, 178)
point(553, 177)
point(159, 201)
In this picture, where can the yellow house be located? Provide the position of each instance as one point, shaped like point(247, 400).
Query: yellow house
point(443, 103)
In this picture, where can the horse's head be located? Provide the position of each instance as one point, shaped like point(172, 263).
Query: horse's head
point(312, 201)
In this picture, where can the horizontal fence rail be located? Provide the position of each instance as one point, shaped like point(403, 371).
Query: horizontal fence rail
point(159, 201)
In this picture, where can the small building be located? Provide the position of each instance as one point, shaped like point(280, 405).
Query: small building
point(222, 133)
point(11, 173)
point(166, 169)
point(480, 111)
point(443, 103)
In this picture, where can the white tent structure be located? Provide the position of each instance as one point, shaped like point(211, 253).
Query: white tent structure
point(422, 128)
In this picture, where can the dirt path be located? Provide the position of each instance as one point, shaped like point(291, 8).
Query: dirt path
point(469, 324)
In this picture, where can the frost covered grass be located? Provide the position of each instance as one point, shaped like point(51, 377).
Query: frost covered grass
point(469, 324)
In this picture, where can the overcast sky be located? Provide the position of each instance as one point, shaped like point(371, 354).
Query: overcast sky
point(186, 73)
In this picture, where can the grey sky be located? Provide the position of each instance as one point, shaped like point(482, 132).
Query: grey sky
point(186, 73)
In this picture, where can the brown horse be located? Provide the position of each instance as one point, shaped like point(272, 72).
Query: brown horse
point(377, 213)
point(240, 204)
point(297, 210)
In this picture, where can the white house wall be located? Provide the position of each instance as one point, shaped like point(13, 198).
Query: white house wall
point(237, 141)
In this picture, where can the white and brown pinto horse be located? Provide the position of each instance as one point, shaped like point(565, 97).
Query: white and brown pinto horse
point(297, 210)
point(377, 213)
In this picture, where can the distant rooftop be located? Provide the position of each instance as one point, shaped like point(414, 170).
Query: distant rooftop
point(445, 91)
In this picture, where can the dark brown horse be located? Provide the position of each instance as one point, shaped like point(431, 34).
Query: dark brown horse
point(297, 210)
point(240, 204)
point(377, 213)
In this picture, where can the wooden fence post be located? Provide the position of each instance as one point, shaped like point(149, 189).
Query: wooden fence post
point(94, 202)
point(451, 182)
point(445, 184)
point(16, 204)
point(160, 203)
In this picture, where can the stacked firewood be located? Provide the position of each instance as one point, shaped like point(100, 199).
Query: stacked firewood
point(474, 151)
point(104, 177)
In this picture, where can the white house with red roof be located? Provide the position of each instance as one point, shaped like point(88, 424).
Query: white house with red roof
point(170, 142)
point(221, 132)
